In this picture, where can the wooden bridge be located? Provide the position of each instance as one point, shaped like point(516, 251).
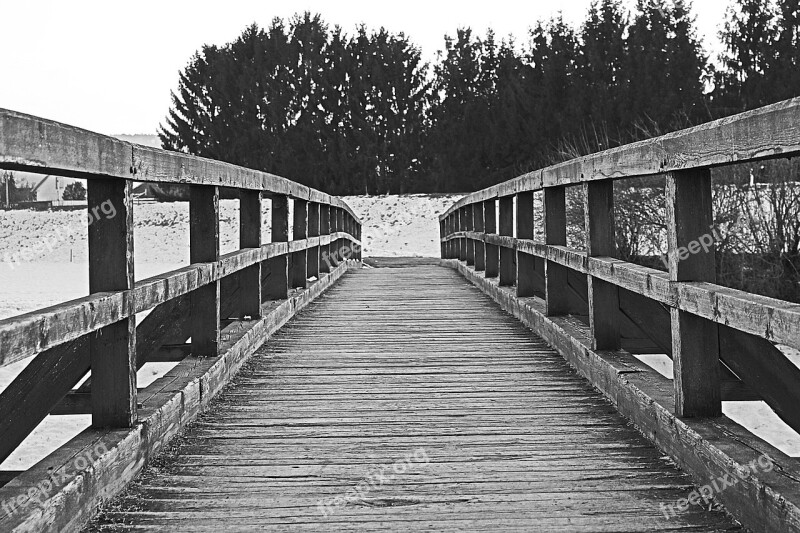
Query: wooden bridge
point(310, 392)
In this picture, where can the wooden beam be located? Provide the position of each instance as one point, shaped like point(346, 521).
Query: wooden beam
point(508, 267)
point(695, 340)
point(204, 248)
point(250, 237)
point(313, 231)
point(325, 259)
point(555, 233)
point(525, 263)
point(300, 231)
point(492, 251)
point(470, 226)
point(765, 133)
point(601, 241)
point(480, 226)
point(112, 348)
point(276, 270)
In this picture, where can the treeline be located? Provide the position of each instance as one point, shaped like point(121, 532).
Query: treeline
point(364, 114)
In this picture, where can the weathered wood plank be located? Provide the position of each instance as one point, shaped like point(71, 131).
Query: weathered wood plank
point(768, 132)
point(508, 267)
point(113, 348)
point(250, 237)
point(204, 247)
point(526, 267)
point(492, 251)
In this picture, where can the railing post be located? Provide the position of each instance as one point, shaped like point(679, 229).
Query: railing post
point(470, 226)
point(462, 242)
point(250, 237)
point(277, 285)
point(526, 266)
point(480, 227)
point(600, 242)
point(555, 234)
point(313, 231)
point(442, 235)
point(113, 348)
point(695, 344)
point(508, 267)
point(300, 232)
point(341, 255)
point(490, 227)
point(204, 248)
point(325, 259)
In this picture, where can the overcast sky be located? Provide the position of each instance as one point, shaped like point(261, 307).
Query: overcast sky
point(109, 66)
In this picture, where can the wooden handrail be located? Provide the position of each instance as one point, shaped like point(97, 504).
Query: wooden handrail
point(683, 311)
point(100, 329)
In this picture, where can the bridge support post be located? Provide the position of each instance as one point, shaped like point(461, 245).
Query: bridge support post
point(250, 237)
point(492, 252)
point(555, 233)
point(691, 252)
point(277, 282)
point(462, 242)
point(600, 225)
point(113, 348)
point(508, 267)
point(204, 248)
point(480, 227)
point(325, 260)
point(313, 257)
point(526, 265)
point(300, 231)
point(470, 226)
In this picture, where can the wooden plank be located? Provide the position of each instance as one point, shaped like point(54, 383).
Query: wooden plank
point(325, 260)
point(313, 231)
point(469, 214)
point(601, 241)
point(479, 225)
point(492, 251)
point(765, 133)
point(525, 263)
point(113, 348)
point(695, 340)
point(300, 231)
point(276, 270)
point(204, 247)
point(249, 301)
point(508, 267)
point(555, 233)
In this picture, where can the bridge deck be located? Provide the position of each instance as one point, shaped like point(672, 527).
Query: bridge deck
point(409, 386)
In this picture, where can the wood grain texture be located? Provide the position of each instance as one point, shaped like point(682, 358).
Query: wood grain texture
point(204, 247)
point(508, 257)
point(492, 251)
point(250, 214)
point(370, 375)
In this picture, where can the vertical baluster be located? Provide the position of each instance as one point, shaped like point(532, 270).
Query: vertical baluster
point(277, 275)
point(113, 348)
point(508, 267)
point(300, 232)
point(204, 248)
point(695, 344)
point(526, 267)
point(490, 227)
point(600, 242)
point(325, 259)
point(555, 234)
point(462, 242)
point(250, 237)
point(480, 227)
point(313, 231)
point(470, 226)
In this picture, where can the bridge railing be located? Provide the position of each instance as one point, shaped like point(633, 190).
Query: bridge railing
point(722, 341)
point(99, 332)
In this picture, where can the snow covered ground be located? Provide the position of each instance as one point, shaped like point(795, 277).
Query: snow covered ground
point(43, 262)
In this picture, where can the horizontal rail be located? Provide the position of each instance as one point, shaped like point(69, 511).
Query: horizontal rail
point(38, 145)
point(769, 318)
point(32, 333)
point(768, 132)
